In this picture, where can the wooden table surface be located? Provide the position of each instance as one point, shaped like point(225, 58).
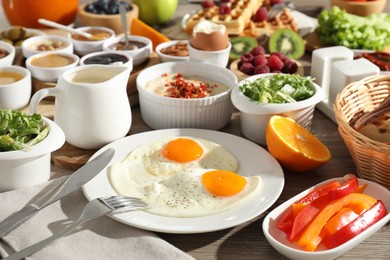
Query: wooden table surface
point(247, 241)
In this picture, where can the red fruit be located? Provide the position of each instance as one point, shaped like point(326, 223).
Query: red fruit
point(247, 68)
point(224, 9)
point(225, 1)
point(260, 60)
point(262, 70)
point(290, 67)
point(207, 3)
point(258, 50)
point(260, 15)
point(280, 55)
point(275, 63)
point(246, 57)
point(274, 2)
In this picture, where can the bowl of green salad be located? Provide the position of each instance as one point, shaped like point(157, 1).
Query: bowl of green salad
point(26, 143)
point(261, 96)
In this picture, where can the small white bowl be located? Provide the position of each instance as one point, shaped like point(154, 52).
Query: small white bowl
point(139, 55)
point(15, 95)
point(219, 58)
point(9, 59)
point(254, 117)
point(166, 57)
point(84, 47)
point(29, 46)
point(278, 240)
point(159, 112)
point(128, 63)
point(50, 74)
point(20, 169)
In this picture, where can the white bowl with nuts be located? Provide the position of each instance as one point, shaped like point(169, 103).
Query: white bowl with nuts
point(46, 43)
point(176, 50)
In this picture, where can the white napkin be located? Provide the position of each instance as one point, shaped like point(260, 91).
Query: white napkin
point(101, 238)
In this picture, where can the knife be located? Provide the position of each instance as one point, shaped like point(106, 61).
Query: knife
point(70, 184)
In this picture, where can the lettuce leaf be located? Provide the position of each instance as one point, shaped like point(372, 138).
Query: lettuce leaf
point(279, 88)
point(19, 131)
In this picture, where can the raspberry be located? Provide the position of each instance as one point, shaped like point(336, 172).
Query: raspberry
point(274, 2)
point(262, 70)
point(246, 57)
point(275, 63)
point(207, 3)
point(260, 15)
point(258, 50)
point(225, 1)
point(247, 68)
point(290, 67)
point(260, 60)
point(280, 55)
point(224, 9)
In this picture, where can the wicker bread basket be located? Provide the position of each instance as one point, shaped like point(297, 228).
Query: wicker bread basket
point(372, 158)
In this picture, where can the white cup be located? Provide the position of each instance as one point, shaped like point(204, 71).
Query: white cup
point(17, 92)
point(219, 58)
point(91, 105)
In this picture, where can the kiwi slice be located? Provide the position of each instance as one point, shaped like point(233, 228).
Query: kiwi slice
point(241, 45)
point(287, 42)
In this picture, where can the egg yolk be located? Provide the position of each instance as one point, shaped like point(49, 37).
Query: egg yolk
point(182, 150)
point(223, 183)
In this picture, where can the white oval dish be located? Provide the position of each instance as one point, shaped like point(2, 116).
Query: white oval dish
point(255, 161)
point(278, 239)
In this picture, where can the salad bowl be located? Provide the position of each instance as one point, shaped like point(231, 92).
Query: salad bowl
point(254, 116)
point(278, 240)
point(31, 165)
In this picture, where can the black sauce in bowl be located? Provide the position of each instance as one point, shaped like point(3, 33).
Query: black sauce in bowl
point(106, 59)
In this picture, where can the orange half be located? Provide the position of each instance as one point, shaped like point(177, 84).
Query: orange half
point(295, 147)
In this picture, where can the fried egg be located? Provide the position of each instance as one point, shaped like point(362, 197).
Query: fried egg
point(183, 177)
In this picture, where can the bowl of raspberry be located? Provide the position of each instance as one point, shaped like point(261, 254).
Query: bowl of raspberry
point(258, 62)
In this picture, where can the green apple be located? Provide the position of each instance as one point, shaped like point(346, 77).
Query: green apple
point(155, 12)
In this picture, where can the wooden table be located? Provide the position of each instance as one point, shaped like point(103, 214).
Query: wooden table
point(247, 241)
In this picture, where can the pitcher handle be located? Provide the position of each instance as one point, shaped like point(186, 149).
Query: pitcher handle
point(39, 95)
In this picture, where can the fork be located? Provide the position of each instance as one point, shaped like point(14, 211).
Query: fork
point(94, 209)
point(278, 8)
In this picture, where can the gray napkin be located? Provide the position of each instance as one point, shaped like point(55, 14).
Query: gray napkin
point(101, 238)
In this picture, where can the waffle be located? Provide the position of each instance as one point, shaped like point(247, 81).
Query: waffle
point(235, 22)
point(283, 20)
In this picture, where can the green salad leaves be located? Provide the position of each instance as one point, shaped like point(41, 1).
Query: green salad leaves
point(20, 131)
point(337, 27)
point(279, 88)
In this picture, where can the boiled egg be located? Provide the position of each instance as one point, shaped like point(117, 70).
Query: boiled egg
point(209, 36)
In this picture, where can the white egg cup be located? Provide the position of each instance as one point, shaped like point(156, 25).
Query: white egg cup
point(219, 58)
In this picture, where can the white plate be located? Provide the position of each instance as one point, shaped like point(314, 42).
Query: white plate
point(278, 240)
point(306, 24)
point(253, 159)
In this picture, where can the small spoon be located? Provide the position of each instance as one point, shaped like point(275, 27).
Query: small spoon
point(63, 27)
point(122, 11)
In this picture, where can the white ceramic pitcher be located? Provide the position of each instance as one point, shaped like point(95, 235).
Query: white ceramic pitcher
point(91, 104)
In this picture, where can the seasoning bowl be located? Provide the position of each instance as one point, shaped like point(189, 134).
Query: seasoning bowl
point(83, 45)
point(211, 112)
point(112, 21)
point(24, 168)
point(107, 58)
point(30, 45)
point(176, 50)
point(49, 66)
point(15, 88)
point(10, 56)
point(254, 117)
point(278, 239)
point(139, 54)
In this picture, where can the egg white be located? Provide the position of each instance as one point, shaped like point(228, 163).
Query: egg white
point(175, 189)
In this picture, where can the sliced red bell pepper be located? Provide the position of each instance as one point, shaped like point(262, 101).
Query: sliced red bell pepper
point(286, 220)
point(341, 219)
point(306, 215)
point(361, 223)
point(357, 201)
point(350, 185)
